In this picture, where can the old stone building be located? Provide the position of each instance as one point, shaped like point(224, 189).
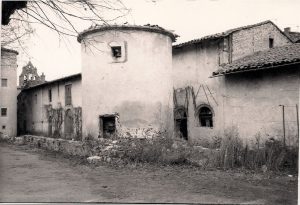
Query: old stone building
point(206, 106)
point(126, 88)
point(127, 80)
point(52, 108)
point(261, 94)
point(134, 83)
point(8, 92)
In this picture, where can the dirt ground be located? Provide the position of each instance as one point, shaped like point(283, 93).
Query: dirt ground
point(32, 175)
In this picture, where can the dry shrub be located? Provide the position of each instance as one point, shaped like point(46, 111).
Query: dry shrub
point(162, 150)
point(230, 150)
point(271, 154)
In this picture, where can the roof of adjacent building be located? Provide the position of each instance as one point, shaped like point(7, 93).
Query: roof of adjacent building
point(227, 33)
point(295, 36)
point(278, 56)
point(147, 27)
point(70, 77)
point(9, 50)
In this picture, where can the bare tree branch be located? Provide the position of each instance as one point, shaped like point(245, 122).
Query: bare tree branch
point(60, 16)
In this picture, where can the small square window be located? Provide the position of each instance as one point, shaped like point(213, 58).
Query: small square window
point(3, 112)
point(116, 51)
point(3, 127)
point(271, 42)
point(3, 82)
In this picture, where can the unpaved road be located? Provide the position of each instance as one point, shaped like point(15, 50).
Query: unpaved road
point(28, 175)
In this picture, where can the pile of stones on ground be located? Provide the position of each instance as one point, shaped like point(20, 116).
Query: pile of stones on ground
point(104, 150)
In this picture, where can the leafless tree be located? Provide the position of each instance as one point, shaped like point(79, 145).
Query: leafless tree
point(60, 16)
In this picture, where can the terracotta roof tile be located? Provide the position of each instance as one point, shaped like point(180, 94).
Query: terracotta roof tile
point(226, 33)
point(264, 59)
point(147, 27)
point(295, 36)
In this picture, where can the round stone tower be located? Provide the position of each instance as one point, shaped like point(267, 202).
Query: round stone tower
point(127, 87)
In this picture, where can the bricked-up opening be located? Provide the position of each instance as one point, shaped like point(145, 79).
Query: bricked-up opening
point(107, 125)
point(116, 51)
point(206, 117)
point(271, 42)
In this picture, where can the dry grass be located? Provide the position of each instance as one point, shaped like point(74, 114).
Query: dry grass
point(269, 155)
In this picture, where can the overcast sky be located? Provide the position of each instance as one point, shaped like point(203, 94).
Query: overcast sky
point(188, 18)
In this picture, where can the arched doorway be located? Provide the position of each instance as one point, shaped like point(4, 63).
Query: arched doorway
point(180, 117)
point(69, 129)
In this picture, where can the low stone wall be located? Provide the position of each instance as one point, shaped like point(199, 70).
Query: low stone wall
point(75, 148)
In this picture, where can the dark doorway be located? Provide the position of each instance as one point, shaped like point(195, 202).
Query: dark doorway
point(181, 123)
point(24, 127)
point(107, 125)
point(69, 124)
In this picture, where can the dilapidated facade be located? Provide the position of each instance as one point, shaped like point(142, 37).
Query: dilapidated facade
point(245, 100)
point(125, 90)
point(52, 108)
point(134, 83)
point(127, 80)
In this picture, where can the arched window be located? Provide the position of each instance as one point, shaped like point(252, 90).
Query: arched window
point(205, 117)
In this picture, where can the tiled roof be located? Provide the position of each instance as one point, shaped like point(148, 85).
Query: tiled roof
point(147, 27)
point(277, 56)
point(226, 33)
point(70, 77)
point(9, 50)
point(295, 36)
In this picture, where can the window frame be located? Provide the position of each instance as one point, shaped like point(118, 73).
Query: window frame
point(116, 51)
point(198, 112)
point(1, 112)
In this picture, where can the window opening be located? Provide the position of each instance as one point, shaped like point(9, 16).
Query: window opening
point(271, 42)
point(206, 117)
point(3, 112)
point(116, 51)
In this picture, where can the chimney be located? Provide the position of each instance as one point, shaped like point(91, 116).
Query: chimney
point(287, 30)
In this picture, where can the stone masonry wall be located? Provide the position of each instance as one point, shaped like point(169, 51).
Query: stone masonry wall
point(246, 42)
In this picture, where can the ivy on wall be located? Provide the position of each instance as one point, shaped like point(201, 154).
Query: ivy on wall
point(55, 118)
point(77, 113)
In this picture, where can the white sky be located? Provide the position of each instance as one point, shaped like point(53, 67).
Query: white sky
point(188, 18)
